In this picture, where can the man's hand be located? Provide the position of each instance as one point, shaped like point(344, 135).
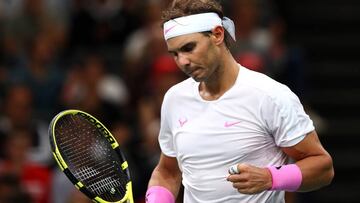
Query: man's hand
point(251, 179)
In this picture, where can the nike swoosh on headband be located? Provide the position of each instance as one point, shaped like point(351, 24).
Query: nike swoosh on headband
point(167, 30)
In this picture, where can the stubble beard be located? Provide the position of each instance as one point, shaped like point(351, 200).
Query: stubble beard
point(212, 75)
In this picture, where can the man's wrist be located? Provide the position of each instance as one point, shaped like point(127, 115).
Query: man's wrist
point(285, 177)
point(159, 194)
point(268, 186)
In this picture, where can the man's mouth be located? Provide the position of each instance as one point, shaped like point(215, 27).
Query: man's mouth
point(193, 71)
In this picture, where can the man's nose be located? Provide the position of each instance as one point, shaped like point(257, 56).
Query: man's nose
point(183, 60)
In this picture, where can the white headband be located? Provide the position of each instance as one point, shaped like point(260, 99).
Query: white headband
point(197, 23)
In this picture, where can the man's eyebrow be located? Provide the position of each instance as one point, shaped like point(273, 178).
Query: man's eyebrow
point(182, 47)
point(172, 51)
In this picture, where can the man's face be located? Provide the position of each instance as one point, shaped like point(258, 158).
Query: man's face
point(195, 54)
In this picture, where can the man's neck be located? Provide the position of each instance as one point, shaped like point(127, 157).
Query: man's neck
point(222, 80)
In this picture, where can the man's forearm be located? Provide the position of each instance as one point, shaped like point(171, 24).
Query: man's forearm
point(169, 180)
point(317, 171)
point(314, 162)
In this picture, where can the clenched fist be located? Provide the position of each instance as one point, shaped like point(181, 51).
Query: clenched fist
point(249, 179)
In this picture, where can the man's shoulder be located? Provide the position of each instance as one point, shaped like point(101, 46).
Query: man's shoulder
point(181, 88)
point(178, 94)
point(260, 82)
point(270, 90)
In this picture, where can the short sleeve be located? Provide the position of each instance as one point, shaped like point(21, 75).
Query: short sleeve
point(285, 118)
point(166, 136)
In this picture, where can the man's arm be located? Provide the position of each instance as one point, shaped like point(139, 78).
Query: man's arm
point(167, 174)
point(313, 160)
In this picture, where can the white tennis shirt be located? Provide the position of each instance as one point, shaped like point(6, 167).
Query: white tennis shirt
point(247, 124)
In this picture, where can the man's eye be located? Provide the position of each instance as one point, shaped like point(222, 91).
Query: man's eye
point(188, 47)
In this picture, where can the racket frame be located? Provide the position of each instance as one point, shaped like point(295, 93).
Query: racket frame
point(128, 197)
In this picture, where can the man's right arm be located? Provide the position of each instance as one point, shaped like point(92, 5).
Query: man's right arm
point(166, 175)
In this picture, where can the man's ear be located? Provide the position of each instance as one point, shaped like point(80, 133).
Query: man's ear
point(218, 34)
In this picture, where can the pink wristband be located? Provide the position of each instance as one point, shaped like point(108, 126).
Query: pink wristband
point(158, 194)
point(286, 177)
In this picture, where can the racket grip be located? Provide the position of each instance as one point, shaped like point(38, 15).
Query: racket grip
point(159, 194)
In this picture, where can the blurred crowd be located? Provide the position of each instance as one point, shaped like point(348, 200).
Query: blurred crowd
point(108, 58)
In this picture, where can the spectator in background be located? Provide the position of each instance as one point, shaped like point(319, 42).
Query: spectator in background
point(18, 113)
point(141, 48)
point(261, 43)
point(32, 39)
point(11, 190)
point(89, 86)
point(42, 74)
point(24, 20)
point(101, 24)
point(252, 38)
point(34, 177)
point(286, 63)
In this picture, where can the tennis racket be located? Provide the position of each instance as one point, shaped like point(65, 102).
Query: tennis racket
point(90, 157)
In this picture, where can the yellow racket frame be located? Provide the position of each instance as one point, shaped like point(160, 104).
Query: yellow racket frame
point(128, 197)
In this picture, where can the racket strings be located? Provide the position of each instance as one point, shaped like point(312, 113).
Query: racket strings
point(91, 157)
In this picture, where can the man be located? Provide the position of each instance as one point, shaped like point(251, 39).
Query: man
point(227, 116)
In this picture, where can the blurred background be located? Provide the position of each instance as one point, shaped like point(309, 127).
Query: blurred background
point(108, 57)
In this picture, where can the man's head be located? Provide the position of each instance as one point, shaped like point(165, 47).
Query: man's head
point(195, 32)
point(189, 8)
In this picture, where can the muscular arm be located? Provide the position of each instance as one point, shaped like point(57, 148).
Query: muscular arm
point(167, 174)
point(314, 162)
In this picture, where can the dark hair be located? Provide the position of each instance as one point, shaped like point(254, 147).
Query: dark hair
point(180, 8)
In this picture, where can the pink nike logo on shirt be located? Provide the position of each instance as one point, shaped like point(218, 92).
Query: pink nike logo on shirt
point(229, 124)
point(168, 30)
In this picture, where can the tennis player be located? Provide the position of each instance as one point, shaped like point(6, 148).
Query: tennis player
point(229, 134)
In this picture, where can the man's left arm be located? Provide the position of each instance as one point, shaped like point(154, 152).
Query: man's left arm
point(314, 161)
point(312, 170)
